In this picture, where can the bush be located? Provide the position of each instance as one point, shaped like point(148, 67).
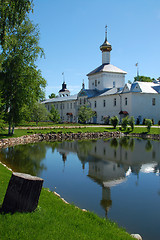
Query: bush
point(124, 123)
point(114, 121)
point(131, 122)
point(144, 120)
point(148, 123)
point(137, 121)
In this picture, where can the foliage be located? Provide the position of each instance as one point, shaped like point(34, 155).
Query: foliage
point(39, 113)
point(148, 123)
point(12, 13)
point(124, 123)
point(137, 121)
point(114, 121)
point(54, 115)
point(22, 83)
point(85, 113)
point(143, 79)
point(52, 95)
point(131, 122)
point(106, 120)
point(1, 113)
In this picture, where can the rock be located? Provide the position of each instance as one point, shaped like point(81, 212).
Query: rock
point(136, 236)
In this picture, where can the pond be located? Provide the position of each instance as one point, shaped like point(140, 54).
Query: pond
point(116, 178)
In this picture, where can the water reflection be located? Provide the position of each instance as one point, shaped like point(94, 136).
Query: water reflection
point(100, 175)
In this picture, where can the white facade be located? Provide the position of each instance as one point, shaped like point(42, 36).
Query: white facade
point(108, 95)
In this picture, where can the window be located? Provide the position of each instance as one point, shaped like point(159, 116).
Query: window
point(114, 84)
point(74, 105)
point(101, 118)
point(95, 83)
point(95, 104)
point(104, 103)
point(63, 105)
point(71, 105)
point(98, 82)
point(153, 101)
point(67, 105)
point(114, 102)
point(84, 100)
point(125, 101)
point(92, 83)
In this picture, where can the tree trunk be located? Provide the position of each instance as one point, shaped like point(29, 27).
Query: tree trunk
point(12, 130)
point(9, 129)
point(22, 194)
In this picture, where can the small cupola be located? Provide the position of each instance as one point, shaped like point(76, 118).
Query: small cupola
point(64, 92)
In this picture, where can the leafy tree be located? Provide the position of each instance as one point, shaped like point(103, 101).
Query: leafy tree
point(21, 81)
point(131, 122)
point(54, 115)
point(85, 113)
point(143, 79)
point(12, 13)
point(114, 121)
point(1, 113)
point(148, 122)
point(39, 113)
point(124, 123)
point(52, 95)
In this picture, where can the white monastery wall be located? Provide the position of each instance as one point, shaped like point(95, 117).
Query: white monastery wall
point(143, 105)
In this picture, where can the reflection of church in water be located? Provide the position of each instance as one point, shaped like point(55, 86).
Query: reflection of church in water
point(111, 161)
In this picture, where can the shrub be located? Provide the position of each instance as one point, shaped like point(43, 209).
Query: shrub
point(131, 122)
point(137, 121)
point(114, 121)
point(124, 123)
point(148, 123)
point(144, 121)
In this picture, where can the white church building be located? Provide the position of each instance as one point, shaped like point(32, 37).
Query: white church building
point(108, 95)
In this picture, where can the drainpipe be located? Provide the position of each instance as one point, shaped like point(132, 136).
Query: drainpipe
point(120, 105)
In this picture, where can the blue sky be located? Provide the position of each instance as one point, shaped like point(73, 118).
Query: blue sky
point(72, 31)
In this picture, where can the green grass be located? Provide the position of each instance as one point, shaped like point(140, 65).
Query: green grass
point(22, 132)
point(54, 220)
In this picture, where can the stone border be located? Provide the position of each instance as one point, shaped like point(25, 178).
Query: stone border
point(8, 142)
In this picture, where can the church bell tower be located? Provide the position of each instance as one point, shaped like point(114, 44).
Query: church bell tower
point(106, 48)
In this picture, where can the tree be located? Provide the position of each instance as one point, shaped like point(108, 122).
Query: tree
point(124, 123)
point(85, 113)
point(143, 79)
point(1, 113)
point(131, 122)
point(39, 113)
point(148, 122)
point(12, 13)
point(21, 81)
point(114, 121)
point(54, 115)
point(52, 95)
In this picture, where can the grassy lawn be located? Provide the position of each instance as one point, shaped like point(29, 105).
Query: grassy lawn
point(63, 129)
point(54, 219)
